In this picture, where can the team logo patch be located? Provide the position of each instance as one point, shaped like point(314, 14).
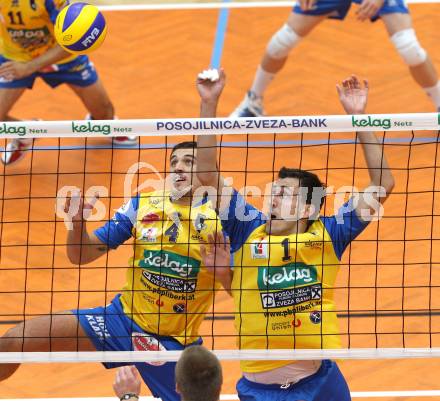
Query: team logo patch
point(199, 224)
point(179, 308)
point(315, 317)
point(144, 342)
point(259, 249)
point(149, 234)
point(150, 218)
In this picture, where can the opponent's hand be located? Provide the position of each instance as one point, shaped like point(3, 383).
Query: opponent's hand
point(210, 91)
point(12, 70)
point(306, 5)
point(216, 255)
point(368, 9)
point(127, 381)
point(352, 95)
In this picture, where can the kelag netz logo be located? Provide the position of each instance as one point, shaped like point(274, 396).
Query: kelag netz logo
point(91, 127)
point(368, 121)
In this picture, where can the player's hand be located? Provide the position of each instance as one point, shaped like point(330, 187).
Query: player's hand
point(352, 95)
point(306, 5)
point(127, 381)
point(210, 91)
point(368, 9)
point(12, 70)
point(76, 209)
point(216, 254)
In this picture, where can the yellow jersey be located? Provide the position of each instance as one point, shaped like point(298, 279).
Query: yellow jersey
point(168, 290)
point(283, 286)
point(27, 28)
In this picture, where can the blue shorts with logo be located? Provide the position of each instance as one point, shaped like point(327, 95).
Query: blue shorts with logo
point(79, 72)
point(338, 9)
point(327, 384)
point(110, 329)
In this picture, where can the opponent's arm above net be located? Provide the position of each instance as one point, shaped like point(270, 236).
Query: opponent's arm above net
point(353, 97)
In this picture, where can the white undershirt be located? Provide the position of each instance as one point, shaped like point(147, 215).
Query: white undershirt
point(289, 374)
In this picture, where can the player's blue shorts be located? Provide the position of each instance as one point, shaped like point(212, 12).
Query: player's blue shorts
point(327, 384)
point(338, 9)
point(110, 329)
point(79, 72)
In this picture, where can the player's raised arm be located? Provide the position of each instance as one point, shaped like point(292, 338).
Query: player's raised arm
point(353, 96)
point(209, 91)
point(82, 247)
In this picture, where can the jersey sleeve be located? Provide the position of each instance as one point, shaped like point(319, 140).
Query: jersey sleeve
point(239, 220)
point(119, 229)
point(344, 227)
point(53, 8)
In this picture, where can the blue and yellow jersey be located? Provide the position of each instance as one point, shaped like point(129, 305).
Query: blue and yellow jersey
point(283, 286)
point(168, 290)
point(27, 28)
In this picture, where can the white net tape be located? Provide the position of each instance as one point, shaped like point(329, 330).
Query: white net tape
point(227, 355)
point(207, 126)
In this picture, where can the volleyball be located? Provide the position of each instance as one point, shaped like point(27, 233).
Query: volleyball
point(80, 28)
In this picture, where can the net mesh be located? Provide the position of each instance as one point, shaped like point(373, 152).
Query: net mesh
point(387, 290)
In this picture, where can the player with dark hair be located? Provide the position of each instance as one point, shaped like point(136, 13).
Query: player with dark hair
point(165, 297)
point(286, 263)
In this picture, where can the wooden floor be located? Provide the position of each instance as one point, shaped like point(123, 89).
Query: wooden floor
point(148, 64)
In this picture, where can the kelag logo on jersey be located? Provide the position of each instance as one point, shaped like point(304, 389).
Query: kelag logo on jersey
point(169, 270)
point(288, 285)
point(287, 276)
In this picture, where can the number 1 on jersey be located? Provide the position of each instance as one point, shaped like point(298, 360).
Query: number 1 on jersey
point(285, 245)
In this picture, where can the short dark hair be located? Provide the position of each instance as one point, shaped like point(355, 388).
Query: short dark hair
point(199, 375)
point(184, 145)
point(306, 180)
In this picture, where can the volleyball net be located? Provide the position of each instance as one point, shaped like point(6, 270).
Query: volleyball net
point(386, 293)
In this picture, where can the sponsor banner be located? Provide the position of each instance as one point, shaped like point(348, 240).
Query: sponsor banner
point(292, 311)
point(170, 283)
point(30, 39)
point(200, 126)
point(291, 297)
point(170, 271)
